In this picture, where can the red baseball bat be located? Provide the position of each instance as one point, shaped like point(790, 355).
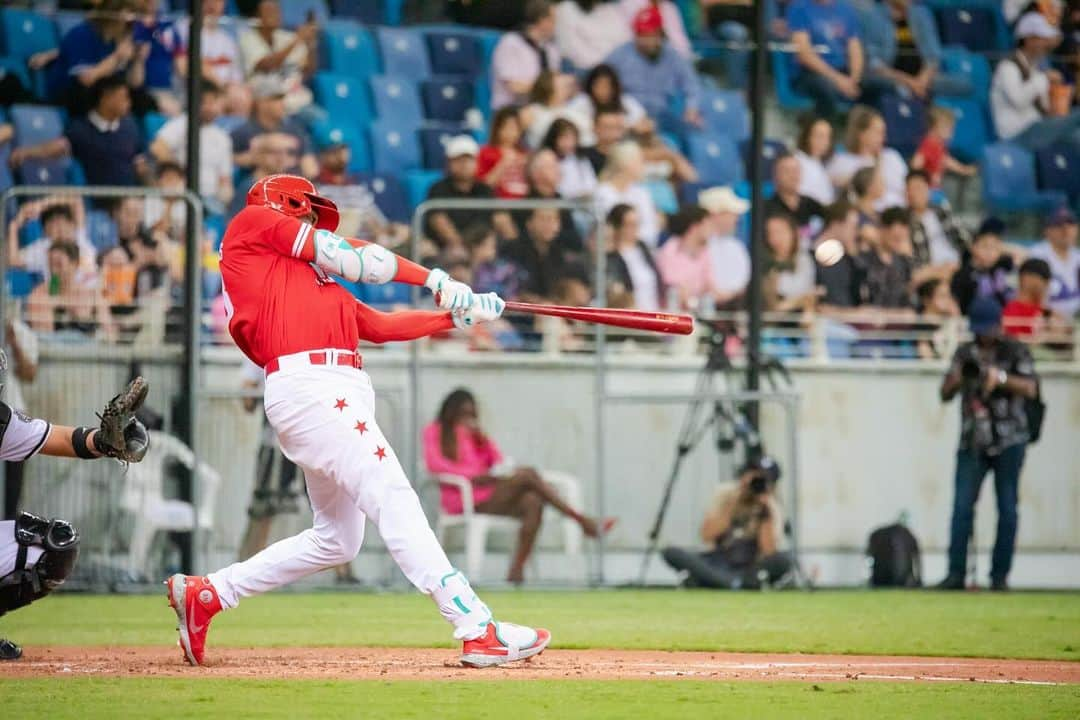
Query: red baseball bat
point(634, 319)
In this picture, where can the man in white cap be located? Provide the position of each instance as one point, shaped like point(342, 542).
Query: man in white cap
point(1020, 90)
point(446, 227)
point(727, 253)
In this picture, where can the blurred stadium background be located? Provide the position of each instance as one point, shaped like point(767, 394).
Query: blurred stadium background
point(365, 97)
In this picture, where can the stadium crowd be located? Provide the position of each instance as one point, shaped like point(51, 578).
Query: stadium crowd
point(635, 106)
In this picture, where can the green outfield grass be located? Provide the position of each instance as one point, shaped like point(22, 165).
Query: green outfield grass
point(87, 699)
point(1016, 625)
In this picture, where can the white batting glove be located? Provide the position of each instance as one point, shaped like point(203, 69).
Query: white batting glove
point(449, 294)
point(487, 307)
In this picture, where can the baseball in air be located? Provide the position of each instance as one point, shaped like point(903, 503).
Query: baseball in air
point(829, 252)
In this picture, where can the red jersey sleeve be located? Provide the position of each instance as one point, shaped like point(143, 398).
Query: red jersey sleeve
point(379, 327)
point(281, 234)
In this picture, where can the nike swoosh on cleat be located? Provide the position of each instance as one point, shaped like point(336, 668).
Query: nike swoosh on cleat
point(197, 628)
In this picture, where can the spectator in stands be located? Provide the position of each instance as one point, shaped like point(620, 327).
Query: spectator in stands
point(586, 31)
point(843, 280)
point(934, 236)
point(654, 72)
point(621, 182)
point(865, 146)
point(744, 527)
point(272, 153)
point(118, 278)
point(107, 141)
point(904, 52)
point(521, 56)
point(672, 18)
point(455, 444)
point(1061, 254)
point(936, 307)
point(609, 128)
point(163, 40)
point(933, 154)
point(61, 219)
point(684, 261)
point(221, 63)
point(788, 284)
point(270, 116)
point(360, 215)
point(1027, 316)
point(101, 46)
point(815, 149)
point(269, 49)
point(542, 260)
point(633, 279)
point(546, 105)
point(865, 193)
point(1020, 90)
point(63, 303)
point(577, 177)
point(215, 149)
point(887, 265)
point(987, 271)
point(545, 175)
point(501, 163)
point(447, 227)
point(491, 273)
point(787, 179)
point(994, 375)
point(727, 253)
point(603, 93)
point(835, 75)
point(167, 215)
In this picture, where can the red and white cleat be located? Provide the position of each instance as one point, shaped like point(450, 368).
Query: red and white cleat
point(504, 643)
point(195, 602)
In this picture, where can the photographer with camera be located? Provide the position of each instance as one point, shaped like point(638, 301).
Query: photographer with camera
point(744, 526)
point(996, 380)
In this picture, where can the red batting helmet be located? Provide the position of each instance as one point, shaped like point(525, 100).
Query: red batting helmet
point(294, 196)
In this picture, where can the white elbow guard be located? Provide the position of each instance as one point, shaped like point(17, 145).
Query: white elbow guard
point(369, 264)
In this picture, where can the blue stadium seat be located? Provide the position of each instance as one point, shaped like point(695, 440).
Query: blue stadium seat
point(786, 95)
point(770, 150)
point(455, 54)
point(389, 196)
point(905, 123)
point(369, 12)
point(447, 100)
point(972, 128)
point(418, 183)
point(6, 178)
point(36, 123)
point(958, 61)
point(433, 140)
point(46, 172)
point(1008, 175)
point(151, 123)
point(65, 20)
point(26, 32)
point(343, 96)
point(488, 39)
point(663, 195)
point(20, 283)
point(100, 229)
point(726, 113)
point(1059, 169)
point(393, 148)
point(397, 100)
point(967, 26)
point(17, 67)
point(716, 158)
point(393, 12)
point(404, 53)
point(349, 49)
point(295, 12)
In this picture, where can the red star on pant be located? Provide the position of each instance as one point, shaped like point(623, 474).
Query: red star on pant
point(361, 426)
point(380, 453)
point(340, 405)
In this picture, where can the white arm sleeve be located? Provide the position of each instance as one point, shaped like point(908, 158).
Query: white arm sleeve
point(371, 264)
point(23, 435)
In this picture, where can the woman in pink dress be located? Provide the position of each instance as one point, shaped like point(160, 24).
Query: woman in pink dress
point(455, 444)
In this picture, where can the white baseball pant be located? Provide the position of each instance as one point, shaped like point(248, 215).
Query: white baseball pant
point(324, 417)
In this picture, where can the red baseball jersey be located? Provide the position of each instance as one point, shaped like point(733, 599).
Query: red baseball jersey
point(279, 302)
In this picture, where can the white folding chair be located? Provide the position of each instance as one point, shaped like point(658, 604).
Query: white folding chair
point(143, 496)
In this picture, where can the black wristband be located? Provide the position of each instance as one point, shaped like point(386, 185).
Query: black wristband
point(78, 442)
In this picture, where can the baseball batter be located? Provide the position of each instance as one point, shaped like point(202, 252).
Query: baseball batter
point(290, 318)
point(37, 555)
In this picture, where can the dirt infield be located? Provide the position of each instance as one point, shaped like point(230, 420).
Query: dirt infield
point(436, 664)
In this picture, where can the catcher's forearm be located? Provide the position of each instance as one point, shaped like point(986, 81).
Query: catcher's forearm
point(61, 443)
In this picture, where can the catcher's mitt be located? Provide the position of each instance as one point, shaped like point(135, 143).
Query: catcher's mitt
point(120, 435)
